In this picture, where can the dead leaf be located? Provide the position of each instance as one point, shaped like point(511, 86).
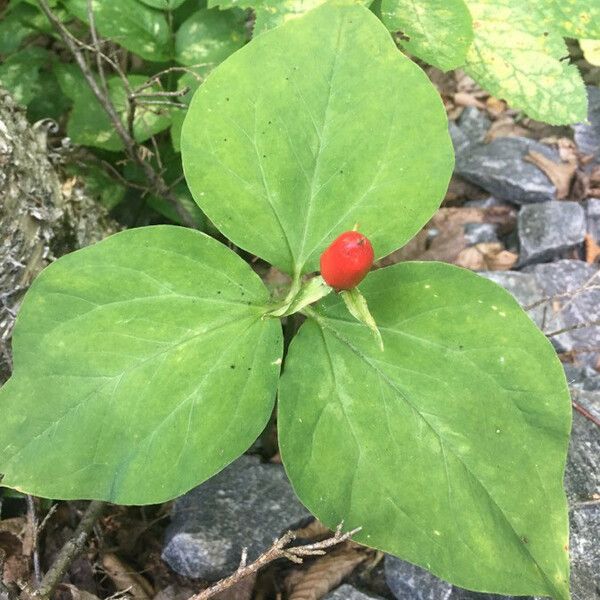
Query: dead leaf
point(126, 578)
point(560, 174)
point(314, 531)
point(495, 106)
point(242, 590)
point(174, 592)
point(592, 249)
point(466, 99)
point(327, 572)
point(486, 257)
point(77, 594)
point(449, 240)
point(505, 126)
point(17, 566)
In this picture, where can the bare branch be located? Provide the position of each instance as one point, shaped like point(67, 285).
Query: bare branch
point(32, 524)
point(573, 328)
point(278, 550)
point(69, 551)
point(132, 148)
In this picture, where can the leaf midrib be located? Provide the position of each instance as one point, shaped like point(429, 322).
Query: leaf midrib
point(322, 323)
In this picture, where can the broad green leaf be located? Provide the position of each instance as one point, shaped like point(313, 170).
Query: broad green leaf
point(164, 4)
point(438, 31)
point(573, 18)
point(225, 4)
point(340, 128)
point(518, 55)
point(20, 73)
point(99, 131)
point(142, 366)
point(272, 13)
point(591, 51)
point(182, 194)
point(98, 183)
point(208, 37)
point(13, 30)
point(131, 24)
point(449, 447)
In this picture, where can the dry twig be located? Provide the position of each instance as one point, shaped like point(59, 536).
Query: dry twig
point(278, 550)
point(68, 552)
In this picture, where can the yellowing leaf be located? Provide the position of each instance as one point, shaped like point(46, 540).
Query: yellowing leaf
point(518, 54)
point(591, 51)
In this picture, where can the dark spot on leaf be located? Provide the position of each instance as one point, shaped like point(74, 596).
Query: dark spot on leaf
point(249, 368)
point(218, 291)
point(264, 156)
point(232, 366)
point(224, 139)
point(227, 99)
point(461, 347)
point(525, 540)
point(546, 34)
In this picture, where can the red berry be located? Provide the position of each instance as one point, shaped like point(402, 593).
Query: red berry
point(347, 260)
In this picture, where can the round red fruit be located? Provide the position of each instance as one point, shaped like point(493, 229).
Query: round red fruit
point(347, 260)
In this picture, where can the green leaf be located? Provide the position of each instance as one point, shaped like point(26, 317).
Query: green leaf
point(98, 184)
point(164, 4)
point(131, 24)
point(439, 31)
point(209, 37)
point(13, 30)
point(99, 130)
point(449, 447)
point(20, 73)
point(225, 4)
point(283, 160)
point(517, 55)
point(142, 366)
point(272, 13)
point(573, 18)
point(182, 194)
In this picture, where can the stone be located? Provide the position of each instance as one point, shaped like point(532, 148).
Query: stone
point(584, 549)
point(575, 288)
point(582, 476)
point(500, 169)
point(410, 582)
point(459, 140)
point(474, 124)
point(347, 592)
point(587, 135)
point(248, 504)
point(582, 377)
point(549, 229)
point(480, 233)
point(524, 287)
point(592, 214)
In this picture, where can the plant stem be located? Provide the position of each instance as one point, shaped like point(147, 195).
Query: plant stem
point(69, 551)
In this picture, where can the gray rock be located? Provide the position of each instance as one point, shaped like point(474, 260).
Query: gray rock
point(248, 504)
point(575, 287)
point(524, 287)
point(582, 476)
point(409, 582)
point(485, 203)
point(585, 551)
point(582, 377)
point(474, 124)
point(499, 168)
point(460, 594)
point(592, 214)
point(549, 229)
point(478, 233)
point(587, 135)
point(347, 592)
point(459, 139)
